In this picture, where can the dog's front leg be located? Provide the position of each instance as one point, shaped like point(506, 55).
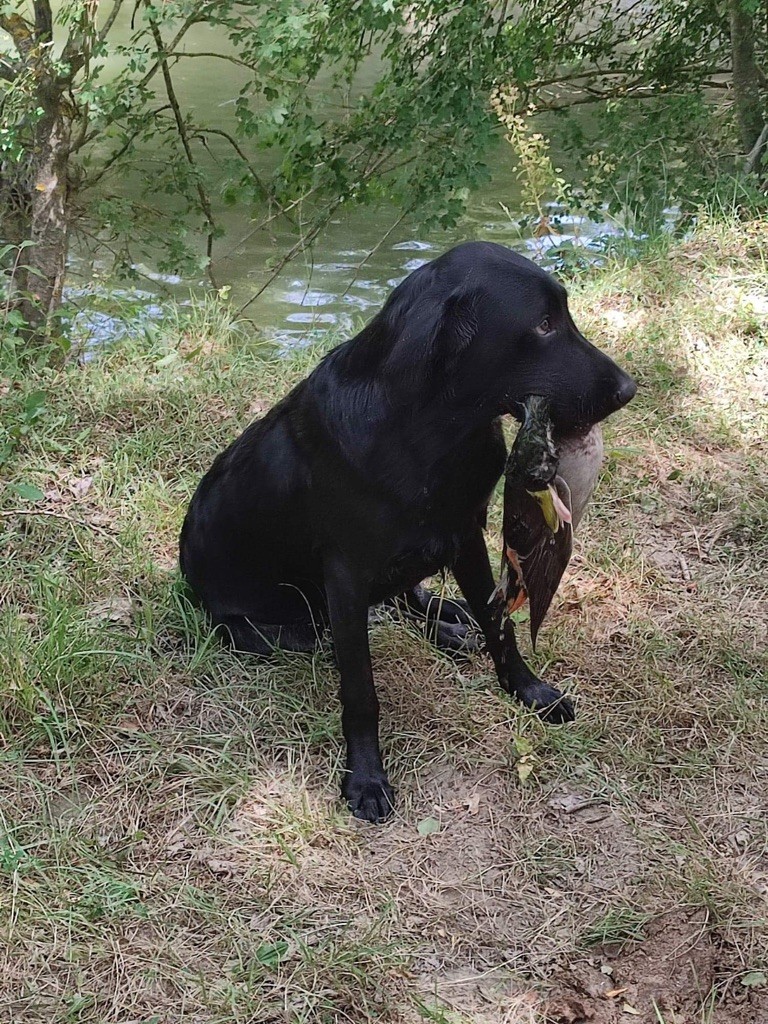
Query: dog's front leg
point(365, 784)
point(473, 574)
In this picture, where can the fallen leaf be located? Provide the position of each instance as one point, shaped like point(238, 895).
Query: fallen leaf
point(80, 486)
point(626, 1008)
point(570, 802)
point(221, 867)
point(754, 979)
point(473, 803)
point(28, 491)
point(117, 608)
point(128, 725)
point(427, 826)
point(612, 993)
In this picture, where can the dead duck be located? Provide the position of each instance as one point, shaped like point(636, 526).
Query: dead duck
point(548, 483)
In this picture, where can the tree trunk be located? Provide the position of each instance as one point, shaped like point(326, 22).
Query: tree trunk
point(49, 226)
point(746, 76)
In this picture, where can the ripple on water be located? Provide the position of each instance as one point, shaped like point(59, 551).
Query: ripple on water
point(373, 286)
point(334, 268)
point(414, 246)
point(361, 301)
point(308, 297)
point(311, 317)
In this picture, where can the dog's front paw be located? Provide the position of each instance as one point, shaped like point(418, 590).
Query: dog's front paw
point(370, 797)
point(550, 704)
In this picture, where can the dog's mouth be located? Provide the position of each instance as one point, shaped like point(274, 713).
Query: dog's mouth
point(576, 416)
point(564, 422)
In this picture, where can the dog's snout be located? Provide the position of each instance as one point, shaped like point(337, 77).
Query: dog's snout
point(625, 392)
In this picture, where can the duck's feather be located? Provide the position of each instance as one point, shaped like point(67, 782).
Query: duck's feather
point(535, 556)
point(544, 566)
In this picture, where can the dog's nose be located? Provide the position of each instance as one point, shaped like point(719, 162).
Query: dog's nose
point(625, 393)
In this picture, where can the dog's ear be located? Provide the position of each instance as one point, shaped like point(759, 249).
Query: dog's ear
point(457, 325)
point(435, 332)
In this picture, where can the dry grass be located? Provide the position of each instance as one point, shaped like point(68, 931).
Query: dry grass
point(173, 847)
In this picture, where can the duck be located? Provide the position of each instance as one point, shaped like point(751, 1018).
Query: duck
point(549, 481)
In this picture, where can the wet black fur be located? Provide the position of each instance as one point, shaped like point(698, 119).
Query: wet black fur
point(376, 471)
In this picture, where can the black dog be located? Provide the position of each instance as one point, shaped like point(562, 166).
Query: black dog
point(376, 471)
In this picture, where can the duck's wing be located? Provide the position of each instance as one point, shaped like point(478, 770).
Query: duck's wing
point(523, 527)
point(544, 565)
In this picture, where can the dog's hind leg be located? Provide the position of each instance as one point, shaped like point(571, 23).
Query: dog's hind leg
point(446, 621)
point(265, 637)
point(451, 610)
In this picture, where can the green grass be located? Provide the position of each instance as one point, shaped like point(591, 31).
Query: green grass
point(172, 844)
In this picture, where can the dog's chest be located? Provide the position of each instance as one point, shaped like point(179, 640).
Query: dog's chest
point(428, 555)
point(449, 504)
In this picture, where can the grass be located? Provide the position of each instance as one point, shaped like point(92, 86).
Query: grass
point(172, 844)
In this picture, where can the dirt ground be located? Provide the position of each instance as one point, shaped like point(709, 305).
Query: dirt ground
point(172, 844)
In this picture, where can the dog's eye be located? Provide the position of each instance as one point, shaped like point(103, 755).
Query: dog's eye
point(545, 327)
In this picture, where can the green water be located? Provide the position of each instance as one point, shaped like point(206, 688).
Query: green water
point(357, 259)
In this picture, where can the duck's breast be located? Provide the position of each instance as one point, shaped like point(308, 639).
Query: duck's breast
point(580, 459)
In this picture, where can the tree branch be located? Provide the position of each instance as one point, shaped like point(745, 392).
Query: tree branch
point(219, 56)
point(192, 19)
point(115, 156)
point(8, 72)
point(303, 243)
point(753, 157)
point(111, 19)
point(43, 21)
point(265, 193)
point(21, 32)
point(182, 130)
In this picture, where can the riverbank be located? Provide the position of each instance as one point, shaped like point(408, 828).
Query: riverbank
point(173, 843)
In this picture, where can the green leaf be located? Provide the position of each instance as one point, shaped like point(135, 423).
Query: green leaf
point(167, 360)
point(522, 747)
point(427, 826)
point(28, 492)
point(271, 953)
point(754, 979)
point(34, 406)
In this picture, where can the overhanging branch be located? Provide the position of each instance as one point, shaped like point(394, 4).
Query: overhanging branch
point(183, 135)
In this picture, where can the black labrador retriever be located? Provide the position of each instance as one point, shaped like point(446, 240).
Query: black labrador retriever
point(376, 471)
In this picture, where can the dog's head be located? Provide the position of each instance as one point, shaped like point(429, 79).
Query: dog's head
point(491, 327)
